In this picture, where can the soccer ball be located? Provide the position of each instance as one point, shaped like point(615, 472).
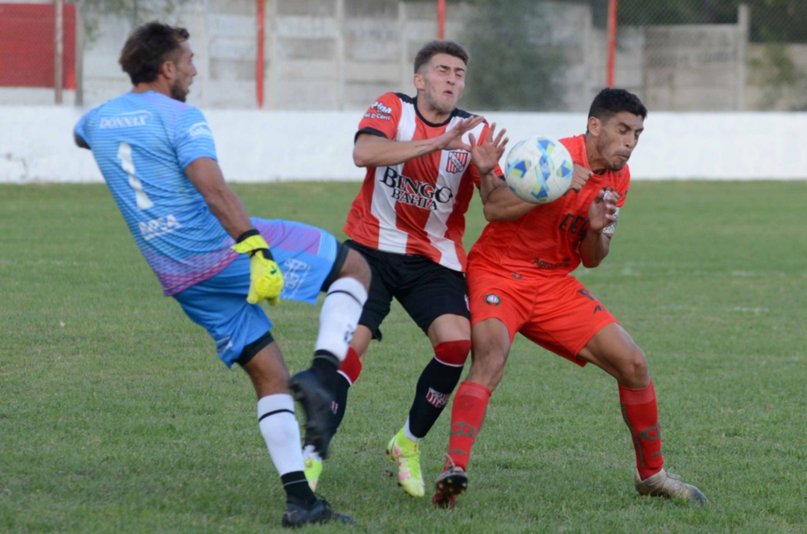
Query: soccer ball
point(538, 169)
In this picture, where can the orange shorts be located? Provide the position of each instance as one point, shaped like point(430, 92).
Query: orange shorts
point(555, 311)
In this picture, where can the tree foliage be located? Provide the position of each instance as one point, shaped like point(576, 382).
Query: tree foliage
point(137, 11)
point(513, 65)
point(771, 20)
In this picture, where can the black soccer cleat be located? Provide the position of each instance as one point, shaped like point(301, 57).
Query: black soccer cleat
point(319, 511)
point(449, 485)
point(316, 400)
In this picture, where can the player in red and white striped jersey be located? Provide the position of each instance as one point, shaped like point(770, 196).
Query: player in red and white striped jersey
point(423, 156)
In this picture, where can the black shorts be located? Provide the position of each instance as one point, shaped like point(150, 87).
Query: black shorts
point(425, 289)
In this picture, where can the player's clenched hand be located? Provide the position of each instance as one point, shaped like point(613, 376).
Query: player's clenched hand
point(603, 211)
point(580, 177)
point(265, 278)
point(487, 154)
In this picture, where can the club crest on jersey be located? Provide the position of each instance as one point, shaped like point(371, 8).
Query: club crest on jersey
point(492, 299)
point(457, 160)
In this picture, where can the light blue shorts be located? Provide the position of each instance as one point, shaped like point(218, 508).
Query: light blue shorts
point(309, 258)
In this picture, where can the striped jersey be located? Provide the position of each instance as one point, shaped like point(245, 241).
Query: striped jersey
point(142, 142)
point(416, 207)
point(548, 236)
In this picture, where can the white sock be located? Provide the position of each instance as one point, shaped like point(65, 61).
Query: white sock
point(309, 452)
point(339, 316)
point(408, 433)
point(281, 432)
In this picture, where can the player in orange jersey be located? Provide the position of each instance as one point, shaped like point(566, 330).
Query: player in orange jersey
point(423, 156)
point(520, 281)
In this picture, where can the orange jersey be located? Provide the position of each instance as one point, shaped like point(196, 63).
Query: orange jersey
point(416, 207)
point(548, 236)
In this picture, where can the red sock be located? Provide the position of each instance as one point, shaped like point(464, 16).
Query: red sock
point(351, 366)
point(467, 414)
point(640, 411)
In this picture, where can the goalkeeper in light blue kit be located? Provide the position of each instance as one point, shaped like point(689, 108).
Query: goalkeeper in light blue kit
point(158, 158)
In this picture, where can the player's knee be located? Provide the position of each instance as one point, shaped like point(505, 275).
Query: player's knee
point(453, 352)
point(357, 267)
point(634, 369)
point(488, 372)
point(487, 367)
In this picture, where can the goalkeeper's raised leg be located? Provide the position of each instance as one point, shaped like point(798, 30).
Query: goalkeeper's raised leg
point(314, 388)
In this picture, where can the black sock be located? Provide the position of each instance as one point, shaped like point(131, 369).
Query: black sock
point(436, 383)
point(340, 404)
point(340, 396)
point(297, 489)
point(326, 366)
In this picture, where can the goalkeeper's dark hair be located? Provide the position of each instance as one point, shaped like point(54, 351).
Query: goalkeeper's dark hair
point(610, 101)
point(148, 47)
point(432, 48)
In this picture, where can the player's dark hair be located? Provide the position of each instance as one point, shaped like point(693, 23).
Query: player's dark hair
point(432, 48)
point(148, 47)
point(610, 101)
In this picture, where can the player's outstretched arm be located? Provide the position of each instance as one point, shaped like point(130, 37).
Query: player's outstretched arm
point(266, 279)
point(206, 176)
point(375, 151)
point(499, 203)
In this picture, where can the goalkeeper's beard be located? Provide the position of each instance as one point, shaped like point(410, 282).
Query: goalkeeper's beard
point(178, 92)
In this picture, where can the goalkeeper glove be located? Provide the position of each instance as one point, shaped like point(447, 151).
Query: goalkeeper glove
point(265, 278)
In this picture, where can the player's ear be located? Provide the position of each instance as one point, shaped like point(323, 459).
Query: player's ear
point(168, 69)
point(594, 125)
point(419, 81)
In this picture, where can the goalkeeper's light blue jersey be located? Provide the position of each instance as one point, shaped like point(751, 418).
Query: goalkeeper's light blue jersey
point(142, 143)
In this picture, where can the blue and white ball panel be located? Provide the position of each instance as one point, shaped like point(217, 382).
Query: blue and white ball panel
point(539, 169)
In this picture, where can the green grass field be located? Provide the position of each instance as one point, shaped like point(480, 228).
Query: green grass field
point(116, 415)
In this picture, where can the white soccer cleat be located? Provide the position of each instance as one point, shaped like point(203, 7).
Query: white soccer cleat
point(664, 484)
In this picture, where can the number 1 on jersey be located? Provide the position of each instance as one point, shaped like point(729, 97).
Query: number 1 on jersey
point(126, 163)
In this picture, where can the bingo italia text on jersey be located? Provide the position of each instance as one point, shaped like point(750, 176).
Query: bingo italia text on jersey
point(416, 207)
point(142, 143)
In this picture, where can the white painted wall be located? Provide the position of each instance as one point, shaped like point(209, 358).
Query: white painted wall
point(36, 144)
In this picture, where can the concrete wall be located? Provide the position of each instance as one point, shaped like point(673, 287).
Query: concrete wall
point(341, 54)
point(36, 144)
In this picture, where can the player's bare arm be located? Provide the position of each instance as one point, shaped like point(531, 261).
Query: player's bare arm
point(499, 203)
point(375, 151)
point(206, 176)
point(597, 242)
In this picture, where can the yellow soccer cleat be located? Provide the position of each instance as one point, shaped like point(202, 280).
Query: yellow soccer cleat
point(406, 453)
point(313, 469)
